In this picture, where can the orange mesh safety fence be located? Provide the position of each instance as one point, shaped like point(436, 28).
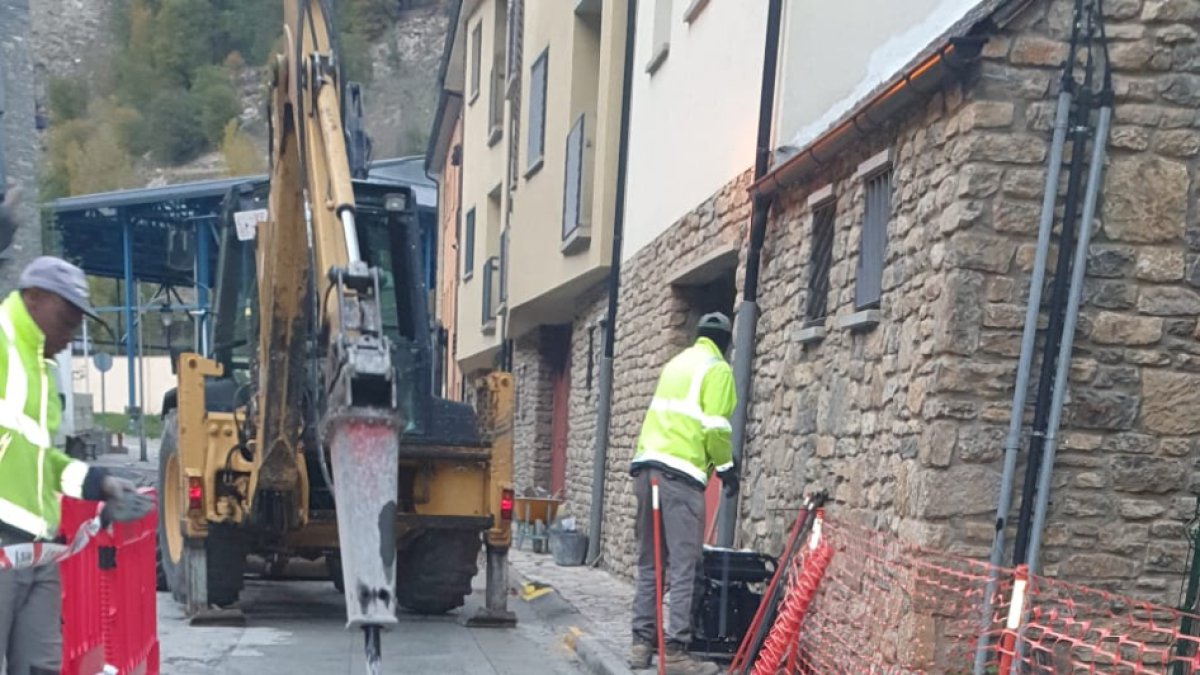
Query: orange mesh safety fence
point(884, 606)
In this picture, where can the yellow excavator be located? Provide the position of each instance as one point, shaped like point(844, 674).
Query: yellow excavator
point(309, 429)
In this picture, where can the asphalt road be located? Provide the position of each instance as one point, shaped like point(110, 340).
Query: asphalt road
point(297, 627)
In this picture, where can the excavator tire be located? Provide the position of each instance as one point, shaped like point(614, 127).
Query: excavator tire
point(435, 571)
point(224, 546)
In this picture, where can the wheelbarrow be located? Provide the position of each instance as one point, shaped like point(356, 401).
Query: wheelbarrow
point(533, 516)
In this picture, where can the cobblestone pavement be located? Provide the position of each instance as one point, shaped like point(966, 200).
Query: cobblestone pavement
point(602, 598)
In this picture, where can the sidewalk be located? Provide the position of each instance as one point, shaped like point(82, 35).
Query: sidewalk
point(601, 599)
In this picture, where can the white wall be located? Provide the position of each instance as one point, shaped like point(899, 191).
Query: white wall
point(835, 53)
point(694, 120)
point(116, 390)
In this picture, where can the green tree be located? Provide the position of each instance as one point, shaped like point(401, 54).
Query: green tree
point(241, 157)
point(185, 32)
point(173, 129)
point(215, 100)
point(68, 99)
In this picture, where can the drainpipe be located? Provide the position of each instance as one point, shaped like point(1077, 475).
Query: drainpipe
point(604, 409)
point(747, 313)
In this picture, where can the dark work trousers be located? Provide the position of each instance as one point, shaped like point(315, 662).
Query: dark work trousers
point(30, 621)
point(681, 506)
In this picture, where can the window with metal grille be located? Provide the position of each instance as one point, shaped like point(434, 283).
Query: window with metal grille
point(476, 59)
point(573, 180)
point(868, 287)
point(469, 246)
point(820, 259)
point(537, 111)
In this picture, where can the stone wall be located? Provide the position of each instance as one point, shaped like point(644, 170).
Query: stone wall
point(905, 424)
point(652, 326)
point(587, 350)
point(19, 136)
point(532, 416)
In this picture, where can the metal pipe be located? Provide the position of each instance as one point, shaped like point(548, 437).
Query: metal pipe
point(1058, 301)
point(747, 312)
point(350, 234)
point(604, 400)
point(1068, 339)
point(1012, 445)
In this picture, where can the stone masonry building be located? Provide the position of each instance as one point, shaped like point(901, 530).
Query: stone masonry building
point(19, 149)
point(902, 417)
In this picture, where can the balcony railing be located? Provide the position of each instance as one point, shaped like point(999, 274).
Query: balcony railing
point(491, 292)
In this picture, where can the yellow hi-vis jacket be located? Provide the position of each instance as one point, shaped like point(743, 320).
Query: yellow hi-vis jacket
point(686, 429)
point(32, 473)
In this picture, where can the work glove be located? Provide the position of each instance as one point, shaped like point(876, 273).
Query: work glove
point(730, 480)
point(122, 502)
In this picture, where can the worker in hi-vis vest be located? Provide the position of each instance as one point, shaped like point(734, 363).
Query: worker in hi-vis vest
point(38, 321)
point(684, 437)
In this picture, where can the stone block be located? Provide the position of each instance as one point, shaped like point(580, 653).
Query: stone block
point(1181, 89)
point(1086, 505)
point(982, 252)
point(1122, 9)
point(1098, 566)
point(1131, 56)
point(1171, 10)
point(1110, 328)
point(1160, 264)
point(1091, 480)
point(1176, 33)
point(1140, 509)
point(981, 444)
point(1127, 137)
point(1010, 148)
point(1003, 316)
point(937, 444)
point(1109, 377)
point(986, 115)
point(1023, 183)
point(1016, 217)
point(1110, 294)
point(1166, 556)
point(1169, 301)
point(957, 491)
point(1147, 474)
point(1032, 50)
point(1123, 539)
point(1180, 143)
point(1112, 261)
point(1168, 401)
point(1145, 199)
point(1146, 357)
point(1103, 409)
point(1176, 447)
point(978, 181)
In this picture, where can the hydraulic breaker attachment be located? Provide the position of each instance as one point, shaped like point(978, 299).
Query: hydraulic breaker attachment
point(361, 429)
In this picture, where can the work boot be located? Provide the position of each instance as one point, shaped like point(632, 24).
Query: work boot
point(679, 662)
point(639, 654)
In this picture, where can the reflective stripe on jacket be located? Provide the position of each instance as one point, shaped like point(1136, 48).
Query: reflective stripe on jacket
point(32, 473)
point(687, 427)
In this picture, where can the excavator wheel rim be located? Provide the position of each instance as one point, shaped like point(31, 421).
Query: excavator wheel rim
point(172, 519)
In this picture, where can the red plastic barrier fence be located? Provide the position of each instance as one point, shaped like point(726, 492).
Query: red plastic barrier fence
point(109, 601)
point(884, 606)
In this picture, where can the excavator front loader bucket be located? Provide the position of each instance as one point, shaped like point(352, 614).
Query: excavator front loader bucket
point(364, 452)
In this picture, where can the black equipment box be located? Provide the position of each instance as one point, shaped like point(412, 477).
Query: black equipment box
point(743, 576)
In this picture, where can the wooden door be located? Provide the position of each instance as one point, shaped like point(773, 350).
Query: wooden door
point(559, 427)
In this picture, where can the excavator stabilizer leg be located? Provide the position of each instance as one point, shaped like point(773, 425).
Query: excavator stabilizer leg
point(495, 612)
point(364, 450)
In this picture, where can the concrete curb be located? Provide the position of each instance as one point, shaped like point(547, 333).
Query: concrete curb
point(555, 610)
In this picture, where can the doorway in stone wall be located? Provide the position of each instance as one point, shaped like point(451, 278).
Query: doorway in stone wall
point(708, 285)
point(556, 346)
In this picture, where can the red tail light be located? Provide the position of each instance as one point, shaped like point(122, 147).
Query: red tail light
point(506, 504)
point(195, 493)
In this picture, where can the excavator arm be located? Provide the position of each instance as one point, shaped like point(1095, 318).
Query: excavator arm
point(317, 294)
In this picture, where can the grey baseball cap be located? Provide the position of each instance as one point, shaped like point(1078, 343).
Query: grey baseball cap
point(61, 278)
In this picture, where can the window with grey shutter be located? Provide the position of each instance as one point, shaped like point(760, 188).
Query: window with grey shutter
point(878, 209)
point(503, 267)
point(476, 59)
point(537, 111)
point(820, 259)
point(469, 246)
point(573, 180)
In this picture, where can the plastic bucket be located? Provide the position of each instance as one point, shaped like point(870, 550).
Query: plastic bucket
point(569, 548)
